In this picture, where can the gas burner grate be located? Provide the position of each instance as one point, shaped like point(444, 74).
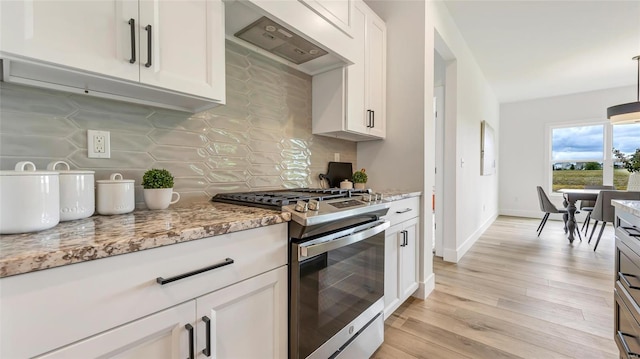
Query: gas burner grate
point(278, 198)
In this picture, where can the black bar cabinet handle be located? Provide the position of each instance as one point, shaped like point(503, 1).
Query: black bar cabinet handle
point(207, 350)
point(373, 118)
point(164, 281)
point(628, 352)
point(404, 210)
point(624, 279)
point(406, 238)
point(192, 341)
point(149, 37)
point(132, 24)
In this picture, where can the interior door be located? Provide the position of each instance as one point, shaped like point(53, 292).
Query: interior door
point(90, 35)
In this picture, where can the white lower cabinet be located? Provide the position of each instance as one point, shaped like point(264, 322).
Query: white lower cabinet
point(160, 336)
point(245, 320)
point(401, 257)
point(215, 325)
point(229, 290)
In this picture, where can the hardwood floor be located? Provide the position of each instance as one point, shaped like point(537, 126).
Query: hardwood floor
point(513, 295)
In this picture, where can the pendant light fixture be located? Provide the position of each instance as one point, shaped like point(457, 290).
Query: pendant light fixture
point(627, 112)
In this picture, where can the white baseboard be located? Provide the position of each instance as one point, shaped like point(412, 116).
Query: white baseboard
point(454, 256)
point(425, 288)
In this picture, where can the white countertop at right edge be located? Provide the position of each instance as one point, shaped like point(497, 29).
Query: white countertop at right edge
point(391, 195)
point(632, 207)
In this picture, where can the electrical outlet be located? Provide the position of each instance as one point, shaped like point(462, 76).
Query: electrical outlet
point(98, 144)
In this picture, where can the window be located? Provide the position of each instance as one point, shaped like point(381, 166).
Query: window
point(581, 155)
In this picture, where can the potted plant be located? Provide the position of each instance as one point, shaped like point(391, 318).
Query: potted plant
point(359, 179)
point(632, 164)
point(158, 189)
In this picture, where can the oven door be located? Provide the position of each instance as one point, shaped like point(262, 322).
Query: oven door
point(337, 285)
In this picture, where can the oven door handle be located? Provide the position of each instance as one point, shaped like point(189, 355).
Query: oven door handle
point(311, 250)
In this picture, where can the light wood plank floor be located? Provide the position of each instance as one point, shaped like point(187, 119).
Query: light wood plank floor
point(513, 295)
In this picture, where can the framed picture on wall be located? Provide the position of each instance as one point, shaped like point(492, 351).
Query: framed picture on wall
point(487, 150)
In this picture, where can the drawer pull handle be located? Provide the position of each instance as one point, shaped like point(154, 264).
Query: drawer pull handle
point(207, 350)
point(164, 281)
point(628, 229)
point(132, 24)
point(623, 278)
point(404, 210)
point(192, 343)
point(149, 38)
point(628, 351)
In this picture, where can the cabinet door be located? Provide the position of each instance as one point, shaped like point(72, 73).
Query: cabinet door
point(159, 336)
point(89, 35)
point(247, 319)
point(409, 260)
point(393, 239)
point(186, 38)
point(356, 114)
point(376, 74)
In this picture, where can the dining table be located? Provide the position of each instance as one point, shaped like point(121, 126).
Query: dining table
point(571, 195)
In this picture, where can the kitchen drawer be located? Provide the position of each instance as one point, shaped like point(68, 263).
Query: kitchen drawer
point(404, 209)
point(61, 305)
point(627, 330)
point(628, 275)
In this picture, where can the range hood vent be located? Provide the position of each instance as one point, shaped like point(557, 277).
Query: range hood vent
point(276, 39)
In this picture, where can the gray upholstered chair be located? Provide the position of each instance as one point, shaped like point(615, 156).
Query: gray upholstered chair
point(547, 207)
point(587, 206)
point(603, 210)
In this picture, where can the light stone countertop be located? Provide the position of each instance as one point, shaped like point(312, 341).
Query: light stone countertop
point(103, 236)
point(632, 207)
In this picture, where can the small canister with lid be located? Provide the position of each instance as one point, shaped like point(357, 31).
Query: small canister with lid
point(29, 199)
point(115, 195)
point(77, 192)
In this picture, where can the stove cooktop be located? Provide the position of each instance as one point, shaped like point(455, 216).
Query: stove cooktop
point(279, 198)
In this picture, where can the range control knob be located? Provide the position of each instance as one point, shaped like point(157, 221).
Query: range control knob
point(314, 205)
point(302, 206)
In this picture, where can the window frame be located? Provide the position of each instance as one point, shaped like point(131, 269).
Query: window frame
point(607, 142)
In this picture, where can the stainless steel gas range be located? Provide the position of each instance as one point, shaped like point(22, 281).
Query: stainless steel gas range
point(336, 269)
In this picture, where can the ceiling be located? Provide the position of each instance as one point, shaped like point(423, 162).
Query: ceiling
point(532, 49)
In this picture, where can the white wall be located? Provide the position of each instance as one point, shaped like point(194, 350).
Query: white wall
point(405, 160)
point(476, 196)
point(523, 142)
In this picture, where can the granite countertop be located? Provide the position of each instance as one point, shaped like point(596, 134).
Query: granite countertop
point(632, 207)
point(103, 236)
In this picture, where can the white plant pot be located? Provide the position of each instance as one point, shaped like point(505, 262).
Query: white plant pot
point(634, 182)
point(160, 198)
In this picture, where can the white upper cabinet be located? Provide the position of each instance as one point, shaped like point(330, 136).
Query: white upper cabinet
point(187, 42)
point(349, 103)
point(336, 12)
point(87, 35)
point(90, 46)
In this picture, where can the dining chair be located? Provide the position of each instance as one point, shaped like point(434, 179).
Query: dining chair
point(587, 206)
point(548, 208)
point(604, 211)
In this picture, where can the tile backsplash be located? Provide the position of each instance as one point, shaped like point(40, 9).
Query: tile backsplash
point(261, 139)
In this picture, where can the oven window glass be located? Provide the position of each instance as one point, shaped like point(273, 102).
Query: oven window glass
point(336, 287)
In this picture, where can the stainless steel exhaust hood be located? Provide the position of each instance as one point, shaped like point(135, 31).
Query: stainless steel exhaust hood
point(275, 38)
point(295, 41)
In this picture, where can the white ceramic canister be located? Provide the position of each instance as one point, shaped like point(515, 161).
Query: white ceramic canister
point(29, 199)
point(77, 192)
point(115, 195)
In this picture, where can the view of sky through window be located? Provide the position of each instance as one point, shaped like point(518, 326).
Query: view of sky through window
point(586, 143)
